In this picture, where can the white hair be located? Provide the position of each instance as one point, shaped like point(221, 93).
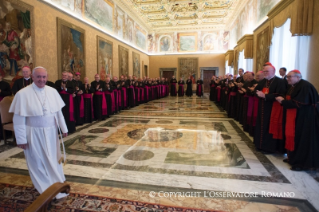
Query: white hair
point(39, 67)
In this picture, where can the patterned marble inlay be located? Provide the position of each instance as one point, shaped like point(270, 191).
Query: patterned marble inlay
point(138, 155)
point(223, 155)
point(155, 135)
point(117, 121)
point(218, 126)
point(79, 146)
point(98, 130)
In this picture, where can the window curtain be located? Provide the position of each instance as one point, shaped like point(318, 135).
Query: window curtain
point(228, 69)
point(246, 64)
point(288, 51)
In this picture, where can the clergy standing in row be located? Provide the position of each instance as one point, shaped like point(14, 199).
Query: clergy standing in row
point(173, 86)
point(302, 123)
point(78, 99)
point(66, 90)
point(189, 89)
point(268, 136)
point(87, 90)
point(24, 81)
point(37, 118)
point(181, 87)
point(99, 100)
point(199, 90)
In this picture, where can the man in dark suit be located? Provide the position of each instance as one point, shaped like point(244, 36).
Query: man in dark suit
point(24, 81)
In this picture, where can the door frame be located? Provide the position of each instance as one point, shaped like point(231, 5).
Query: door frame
point(161, 70)
point(202, 69)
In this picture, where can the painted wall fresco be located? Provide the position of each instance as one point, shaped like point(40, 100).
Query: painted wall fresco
point(107, 15)
point(104, 57)
point(123, 61)
point(16, 38)
point(71, 48)
point(254, 12)
point(136, 64)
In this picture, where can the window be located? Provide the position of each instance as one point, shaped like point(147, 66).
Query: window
point(287, 51)
point(246, 64)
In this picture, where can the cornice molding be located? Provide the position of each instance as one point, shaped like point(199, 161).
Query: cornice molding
point(278, 8)
point(245, 38)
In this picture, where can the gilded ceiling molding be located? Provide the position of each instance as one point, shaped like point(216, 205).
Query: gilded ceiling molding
point(246, 43)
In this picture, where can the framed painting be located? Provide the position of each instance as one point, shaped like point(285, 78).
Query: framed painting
point(187, 42)
point(136, 64)
point(104, 57)
point(262, 49)
point(71, 48)
point(16, 38)
point(123, 61)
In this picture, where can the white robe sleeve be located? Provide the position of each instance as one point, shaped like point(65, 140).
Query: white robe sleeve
point(61, 122)
point(19, 129)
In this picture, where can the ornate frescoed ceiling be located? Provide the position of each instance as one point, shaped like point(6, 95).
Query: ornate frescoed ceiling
point(185, 15)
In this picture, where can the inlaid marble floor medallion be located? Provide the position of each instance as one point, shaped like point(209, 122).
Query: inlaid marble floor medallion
point(175, 144)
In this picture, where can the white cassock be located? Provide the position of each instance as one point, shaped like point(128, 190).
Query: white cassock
point(37, 116)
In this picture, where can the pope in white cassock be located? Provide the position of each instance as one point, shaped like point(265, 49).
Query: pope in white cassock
point(37, 118)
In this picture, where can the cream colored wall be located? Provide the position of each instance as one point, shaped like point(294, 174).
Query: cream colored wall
point(256, 33)
point(171, 61)
point(45, 23)
point(313, 62)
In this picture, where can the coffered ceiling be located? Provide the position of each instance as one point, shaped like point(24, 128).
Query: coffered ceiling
point(183, 15)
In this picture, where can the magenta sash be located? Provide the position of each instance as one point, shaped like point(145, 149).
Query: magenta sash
point(71, 108)
point(182, 89)
point(250, 109)
point(104, 105)
point(218, 93)
point(200, 89)
point(231, 94)
point(1, 97)
point(142, 89)
point(112, 99)
point(213, 85)
point(133, 91)
point(124, 96)
point(89, 96)
point(81, 107)
point(147, 92)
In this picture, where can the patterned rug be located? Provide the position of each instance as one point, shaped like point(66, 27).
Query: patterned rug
point(17, 198)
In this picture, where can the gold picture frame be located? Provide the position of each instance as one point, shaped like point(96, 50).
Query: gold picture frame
point(123, 61)
point(104, 57)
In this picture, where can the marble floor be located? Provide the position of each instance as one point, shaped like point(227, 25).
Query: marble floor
point(179, 152)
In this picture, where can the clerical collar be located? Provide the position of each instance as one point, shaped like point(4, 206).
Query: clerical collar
point(27, 78)
point(36, 87)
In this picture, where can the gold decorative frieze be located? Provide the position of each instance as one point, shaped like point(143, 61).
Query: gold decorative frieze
point(189, 7)
point(187, 23)
point(214, 15)
point(162, 24)
point(152, 9)
point(158, 18)
point(186, 17)
point(216, 5)
point(146, 1)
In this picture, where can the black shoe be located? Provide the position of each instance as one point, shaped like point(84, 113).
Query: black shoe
point(296, 168)
point(285, 160)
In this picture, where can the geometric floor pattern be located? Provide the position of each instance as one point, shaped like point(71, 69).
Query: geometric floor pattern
point(175, 151)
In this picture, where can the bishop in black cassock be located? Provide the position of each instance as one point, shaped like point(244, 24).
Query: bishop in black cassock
point(24, 81)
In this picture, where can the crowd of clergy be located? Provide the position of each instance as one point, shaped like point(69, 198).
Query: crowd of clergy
point(97, 100)
point(280, 113)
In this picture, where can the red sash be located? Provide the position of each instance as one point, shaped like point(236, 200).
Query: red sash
point(89, 96)
point(71, 108)
point(290, 127)
point(275, 125)
point(213, 85)
point(104, 105)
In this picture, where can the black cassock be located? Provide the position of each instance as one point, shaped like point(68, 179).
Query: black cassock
point(213, 86)
point(223, 95)
point(20, 83)
point(231, 99)
point(239, 101)
point(199, 89)
point(181, 88)
point(130, 93)
point(51, 84)
point(304, 98)
point(173, 87)
point(263, 139)
point(88, 102)
point(248, 100)
point(5, 91)
point(110, 98)
point(98, 99)
point(77, 102)
point(69, 117)
point(189, 89)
